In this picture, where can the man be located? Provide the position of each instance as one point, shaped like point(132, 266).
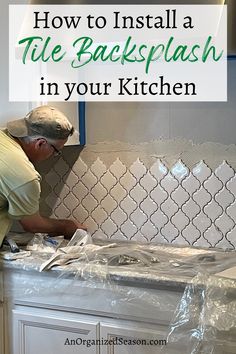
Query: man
point(41, 134)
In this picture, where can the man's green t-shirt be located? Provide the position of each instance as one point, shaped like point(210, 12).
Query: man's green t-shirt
point(19, 184)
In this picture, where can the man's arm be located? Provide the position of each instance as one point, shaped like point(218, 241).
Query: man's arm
point(55, 227)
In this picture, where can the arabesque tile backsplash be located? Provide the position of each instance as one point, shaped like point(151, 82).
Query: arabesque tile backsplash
point(156, 203)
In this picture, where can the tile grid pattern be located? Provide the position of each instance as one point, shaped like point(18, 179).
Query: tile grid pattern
point(156, 204)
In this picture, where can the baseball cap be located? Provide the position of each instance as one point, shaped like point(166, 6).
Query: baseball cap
point(46, 121)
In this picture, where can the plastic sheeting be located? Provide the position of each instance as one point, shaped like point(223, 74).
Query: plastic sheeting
point(202, 319)
point(205, 318)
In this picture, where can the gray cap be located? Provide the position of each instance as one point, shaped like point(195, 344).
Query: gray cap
point(46, 121)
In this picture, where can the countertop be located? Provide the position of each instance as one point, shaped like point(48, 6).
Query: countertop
point(169, 267)
point(154, 290)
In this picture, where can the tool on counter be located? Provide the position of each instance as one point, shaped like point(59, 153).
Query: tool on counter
point(16, 252)
point(12, 244)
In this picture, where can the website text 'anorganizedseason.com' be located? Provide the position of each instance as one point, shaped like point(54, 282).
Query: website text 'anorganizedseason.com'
point(115, 341)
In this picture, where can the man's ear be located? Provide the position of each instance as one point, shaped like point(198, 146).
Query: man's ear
point(40, 142)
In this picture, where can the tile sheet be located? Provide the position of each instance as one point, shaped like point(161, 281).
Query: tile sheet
point(158, 204)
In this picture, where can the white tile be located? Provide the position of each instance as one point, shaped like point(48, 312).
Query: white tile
point(231, 211)
point(108, 181)
point(129, 229)
point(158, 170)
point(118, 169)
point(79, 168)
point(81, 213)
point(224, 172)
point(138, 194)
point(52, 178)
point(128, 181)
point(62, 191)
point(180, 196)
point(191, 209)
point(99, 234)
point(231, 186)
point(148, 206)
point(202, 242)
point(98, 192)
point(71, 179)
point(61, 167)
point(118, 193)
point(159, 195)
point(224, 198)
point(169, 207)
point(70, 201)
point(50, 200)
point(158, 204)
point(120, 236)
point(138, 169)
point(169, 232)
point(138, 237)
point(138, 218)
point(89, 180)
point(161, 239)
point(191, 233)
point(109, 227)
point(149, 230)
point(191, 184)
point(202, 222)
point(99, 215)
point(224, 223)
point(180, 220)
point(109, 204)
point(179, 170)
point(202, 197)
point(169, 183)
point(90, 223)
point(213, 185)
point(231, 237)
point(224, 244)
point(61, 211)
point(98, 168)
point(80, 190)
point(118, 216)
point(148, 182)
point(213, 210)
point(159, 219)
point(213, 236)
point(128, 205)
point(201, 171)
point(89, 203)
point(180, 240)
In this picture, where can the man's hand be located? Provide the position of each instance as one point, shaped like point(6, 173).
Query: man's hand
point(71, 226)
point(37, 223)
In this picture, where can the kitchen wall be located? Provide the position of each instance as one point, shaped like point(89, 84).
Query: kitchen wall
point(151, 172)
point(138, 122)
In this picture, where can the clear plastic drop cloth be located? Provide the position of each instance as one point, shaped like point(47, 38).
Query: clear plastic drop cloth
point(174, 286)
point(205, 318)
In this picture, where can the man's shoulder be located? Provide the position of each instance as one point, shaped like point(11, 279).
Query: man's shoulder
point(14, 164)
